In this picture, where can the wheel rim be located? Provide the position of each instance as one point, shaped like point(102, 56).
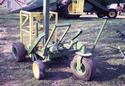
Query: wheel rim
point(84, 71)
point(36, 70)
point(80, 68)
point(112, 14)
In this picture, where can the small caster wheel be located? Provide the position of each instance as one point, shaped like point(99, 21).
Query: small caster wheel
point(81, 67)
point(19, 51)
point(38, 69)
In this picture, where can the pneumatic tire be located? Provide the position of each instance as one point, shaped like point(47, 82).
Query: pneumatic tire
point(112, 13)
point(86, 70)
point(38, 69)
point(19, 51)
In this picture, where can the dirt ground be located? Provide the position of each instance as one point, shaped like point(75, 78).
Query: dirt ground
point(110, 67)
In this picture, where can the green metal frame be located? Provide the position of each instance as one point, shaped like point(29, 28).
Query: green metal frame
point(44, 53)
point(99, 34)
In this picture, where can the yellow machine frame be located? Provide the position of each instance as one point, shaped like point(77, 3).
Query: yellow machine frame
point(76, 7)
point(28, 19)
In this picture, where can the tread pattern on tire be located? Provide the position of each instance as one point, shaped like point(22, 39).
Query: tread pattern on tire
point(87, 62)
point(19, 51)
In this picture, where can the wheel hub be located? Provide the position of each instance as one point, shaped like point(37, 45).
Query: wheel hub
point(111, 14)
point(79, 66)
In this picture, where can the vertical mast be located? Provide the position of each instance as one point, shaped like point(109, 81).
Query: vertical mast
point(46, 18)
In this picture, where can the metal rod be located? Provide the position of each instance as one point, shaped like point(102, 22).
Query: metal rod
point(68, 27)
point(47, 42)
point(99, 34)
point(63, 25)
point(21, 27)
point(36, 28)
point(46, 18)
point(77, 34)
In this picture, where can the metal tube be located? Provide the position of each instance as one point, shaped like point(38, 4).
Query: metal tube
point(46, 18)
point(77, 34)
point(68, 27)
point(47, 42)
point(36, 28)
point(21, 27)
point(31, 28)
point(99, 35)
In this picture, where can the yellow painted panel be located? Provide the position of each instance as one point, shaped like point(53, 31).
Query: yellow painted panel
point(27, 26)
point(76, 7)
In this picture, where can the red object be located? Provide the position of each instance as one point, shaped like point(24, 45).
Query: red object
point(1, 2)
point(119, 8)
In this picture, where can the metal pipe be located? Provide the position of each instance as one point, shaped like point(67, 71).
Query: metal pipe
point(77, 34)
point(46, 18)
point(99, 34)
point(68, 27)
point(47, 42)
point(36, 28)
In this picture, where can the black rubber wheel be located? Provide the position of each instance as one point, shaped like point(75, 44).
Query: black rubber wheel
point(112, 13)
point(38, 69)
point(19, 51)
point(86, 68)
point(100, 15)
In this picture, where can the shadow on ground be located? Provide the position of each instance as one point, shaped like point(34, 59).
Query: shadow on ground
point(108, 71)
